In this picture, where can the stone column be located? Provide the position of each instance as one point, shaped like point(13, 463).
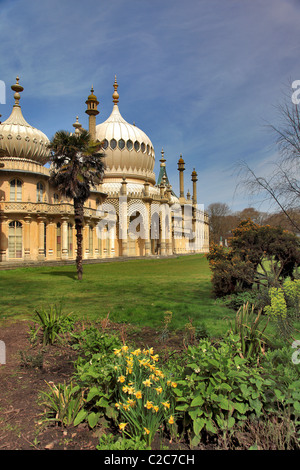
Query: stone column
point(41, 238)
point(64, 238)
point(3, 238)
point(27, 220)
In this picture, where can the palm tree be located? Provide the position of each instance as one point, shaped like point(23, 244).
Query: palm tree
point(76, 166)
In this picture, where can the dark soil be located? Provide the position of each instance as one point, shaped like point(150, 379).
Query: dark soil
point(21, 382)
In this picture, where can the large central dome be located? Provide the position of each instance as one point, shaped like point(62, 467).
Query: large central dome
point(129, 151)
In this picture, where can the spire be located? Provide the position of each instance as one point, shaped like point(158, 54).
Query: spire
point(115, 93)
point(18, 89)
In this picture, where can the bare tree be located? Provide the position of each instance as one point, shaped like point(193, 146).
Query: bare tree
point(218, 211)
point(282, 185)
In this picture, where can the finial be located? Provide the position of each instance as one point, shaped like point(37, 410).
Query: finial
point(162, 160)
point(77, 126)
point(18, 89)
point(115, 93)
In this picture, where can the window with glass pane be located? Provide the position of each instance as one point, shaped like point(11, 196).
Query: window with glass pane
point(136, 145)
point(16, 190)
point(113, 143)
point(129, 144)
point(121, 144)
point(39, 192)
point(15, 239)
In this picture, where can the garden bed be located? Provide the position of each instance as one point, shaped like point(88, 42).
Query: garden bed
point(22, 379)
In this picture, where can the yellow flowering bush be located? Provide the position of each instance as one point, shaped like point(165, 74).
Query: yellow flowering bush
point(145, 397)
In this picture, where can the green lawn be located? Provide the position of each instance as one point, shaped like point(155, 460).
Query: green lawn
point(137, 292)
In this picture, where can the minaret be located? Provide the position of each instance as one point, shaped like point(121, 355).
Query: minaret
point(181, 180)
point(194, 180)
point(92, 112)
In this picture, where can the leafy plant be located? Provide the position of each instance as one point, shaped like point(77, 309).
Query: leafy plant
point(63, 404)
point(251, 332)
point(91, 341)
point(110, 442)
point(218, 389)
point(52, 323)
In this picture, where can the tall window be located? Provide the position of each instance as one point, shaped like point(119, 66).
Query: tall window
point(39, 192)
point(16, 190)
point(58, 240)
point(55, 198)
point(15, 239)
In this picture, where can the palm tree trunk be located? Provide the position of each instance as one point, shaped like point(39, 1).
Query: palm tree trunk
point(79, 220)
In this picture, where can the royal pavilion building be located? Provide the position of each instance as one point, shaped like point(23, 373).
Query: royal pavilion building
point(130, 213)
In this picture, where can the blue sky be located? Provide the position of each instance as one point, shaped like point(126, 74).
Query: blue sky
point(199, 77)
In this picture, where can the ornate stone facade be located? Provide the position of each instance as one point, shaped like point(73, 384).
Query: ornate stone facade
point(129, 214)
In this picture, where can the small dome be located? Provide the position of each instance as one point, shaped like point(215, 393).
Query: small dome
point(20, 139)
point(128, 150)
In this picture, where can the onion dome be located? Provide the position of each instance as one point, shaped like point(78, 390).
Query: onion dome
point(20, 139)
point(128, 150)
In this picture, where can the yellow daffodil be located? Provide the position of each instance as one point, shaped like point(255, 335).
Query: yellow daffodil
point(122, 426)
point(159, 373)
point(147, 431)
point(138, 394)
point(155, 408)
point(155, 358)
point(131, 402)
point(165, 404)
point(171, 420)
point(147, 383)
point(121, 379)
point(149, 405)
point(159, 390)
point(173, 384)
point(124, 348)
point(117, 352)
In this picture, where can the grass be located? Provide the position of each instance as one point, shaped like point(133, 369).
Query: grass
point(137, 292)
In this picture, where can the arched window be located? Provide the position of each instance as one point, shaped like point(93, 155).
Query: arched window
point(15, 239)
point(39, 192)
point(16, 190)
point(55, 198)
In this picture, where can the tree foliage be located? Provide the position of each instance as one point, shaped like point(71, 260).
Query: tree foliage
point(77, 166)
point(258, 255)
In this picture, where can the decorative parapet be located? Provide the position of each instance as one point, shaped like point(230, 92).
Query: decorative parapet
point(39, 208)
point(24, 165)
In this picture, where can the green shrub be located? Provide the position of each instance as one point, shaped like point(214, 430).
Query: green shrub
point(250, 328)
point(218, 389)
point(52, 323)
point(63, 404)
